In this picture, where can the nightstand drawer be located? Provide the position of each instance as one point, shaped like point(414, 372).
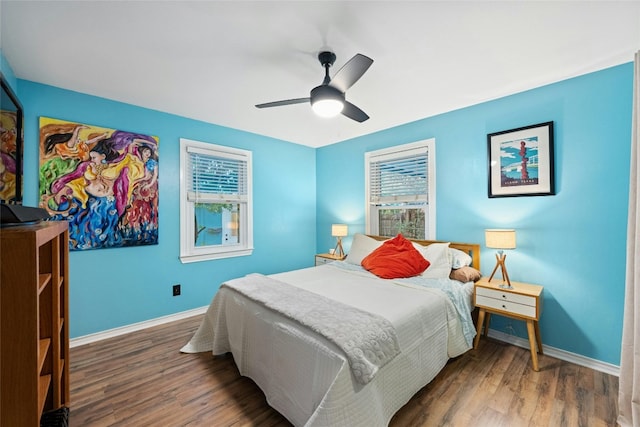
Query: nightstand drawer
point(321, 260)
point(506, 296)
point(506, 306)
point(327, 258)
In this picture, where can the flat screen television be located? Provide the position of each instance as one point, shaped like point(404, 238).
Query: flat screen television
point(11, 146)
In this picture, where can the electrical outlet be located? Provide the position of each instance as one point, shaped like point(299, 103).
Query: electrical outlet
point(509, 329)
point(176, 290)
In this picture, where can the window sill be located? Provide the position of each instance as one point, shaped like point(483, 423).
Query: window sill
point(185, 259)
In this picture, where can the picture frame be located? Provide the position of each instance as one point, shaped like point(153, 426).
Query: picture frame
point(521, 161)
point(104, 182)
point(11, 145)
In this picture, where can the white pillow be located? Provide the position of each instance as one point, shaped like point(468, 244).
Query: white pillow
point(361, 246)
point(440, 262)
point(459, 258)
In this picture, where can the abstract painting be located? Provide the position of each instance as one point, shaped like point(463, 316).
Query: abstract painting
point(104, 182)
point(10, 158)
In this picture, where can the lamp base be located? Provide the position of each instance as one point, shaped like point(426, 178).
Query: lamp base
point(338, 251)
point(500, 259)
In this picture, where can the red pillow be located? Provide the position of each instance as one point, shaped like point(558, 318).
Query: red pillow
point(395, 258)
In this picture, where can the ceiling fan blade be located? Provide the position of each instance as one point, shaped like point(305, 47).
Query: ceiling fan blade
point(351, 72)
point(354, 112)
point(285, 102)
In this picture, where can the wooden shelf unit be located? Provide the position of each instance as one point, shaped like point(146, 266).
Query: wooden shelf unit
point(34, 313)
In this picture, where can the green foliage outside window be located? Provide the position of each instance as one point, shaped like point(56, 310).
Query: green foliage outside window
point(409, 222)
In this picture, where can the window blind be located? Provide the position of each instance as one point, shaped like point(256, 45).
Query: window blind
point(216, 179)
point(399, 178)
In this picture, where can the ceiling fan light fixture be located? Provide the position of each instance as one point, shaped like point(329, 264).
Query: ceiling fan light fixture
point(327, 101)
point(327, 107)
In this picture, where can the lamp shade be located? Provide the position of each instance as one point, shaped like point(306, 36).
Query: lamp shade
point(339, 230)
point(500, 238)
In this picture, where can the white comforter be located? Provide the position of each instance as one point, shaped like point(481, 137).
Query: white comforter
point(306, 377)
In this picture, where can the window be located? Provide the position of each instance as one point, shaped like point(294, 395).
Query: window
point(215, 202)
point(400, 186)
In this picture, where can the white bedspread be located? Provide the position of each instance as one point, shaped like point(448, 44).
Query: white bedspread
point(305, 376)
point(369, 342)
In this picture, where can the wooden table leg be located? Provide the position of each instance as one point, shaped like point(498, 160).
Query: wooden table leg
point(487, 323)
point(531, 329)
point(479, 328)
point(538, 336)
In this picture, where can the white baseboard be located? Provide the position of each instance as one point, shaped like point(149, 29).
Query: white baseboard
point(87, 339)
point(567, 356)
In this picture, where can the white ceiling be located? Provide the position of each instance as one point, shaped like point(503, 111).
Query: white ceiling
point(214, 60)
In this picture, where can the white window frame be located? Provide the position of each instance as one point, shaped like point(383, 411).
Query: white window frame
point(188, 251)
point(399, 151)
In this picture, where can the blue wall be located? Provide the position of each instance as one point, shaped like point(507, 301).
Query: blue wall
point(116, 287)
point(573, 243)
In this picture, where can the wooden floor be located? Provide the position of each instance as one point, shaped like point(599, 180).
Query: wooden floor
point(141, 379)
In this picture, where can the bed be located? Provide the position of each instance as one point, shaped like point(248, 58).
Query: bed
point(319, 369)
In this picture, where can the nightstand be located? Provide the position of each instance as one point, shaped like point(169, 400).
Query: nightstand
point(523, 302)
point(327, 258)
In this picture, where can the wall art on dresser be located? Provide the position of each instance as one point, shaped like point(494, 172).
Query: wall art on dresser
point(11, 116)
point(104, 182)
point(520, 161)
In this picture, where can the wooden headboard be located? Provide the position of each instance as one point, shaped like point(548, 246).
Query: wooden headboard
point(473, 249)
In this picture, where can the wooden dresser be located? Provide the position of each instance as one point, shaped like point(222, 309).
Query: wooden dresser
point(34, 321)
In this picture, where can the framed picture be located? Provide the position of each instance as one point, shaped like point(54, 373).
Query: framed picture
point(11, 138)
point(103, 181)
point(521, 161)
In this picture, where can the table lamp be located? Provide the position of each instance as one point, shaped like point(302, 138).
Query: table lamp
point(339, 231)
point(501, 239)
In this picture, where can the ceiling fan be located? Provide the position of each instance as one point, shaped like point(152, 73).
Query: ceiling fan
point(328, 99)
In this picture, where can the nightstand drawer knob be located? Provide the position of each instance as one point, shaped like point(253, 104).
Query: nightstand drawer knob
point(504, 296)
point(504, 306)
